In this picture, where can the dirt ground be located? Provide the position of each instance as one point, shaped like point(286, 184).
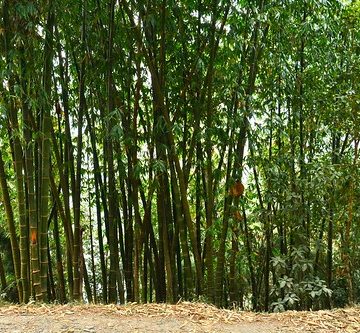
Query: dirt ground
point(182, 317)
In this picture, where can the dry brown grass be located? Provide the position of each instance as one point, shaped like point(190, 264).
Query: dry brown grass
point(338, 320)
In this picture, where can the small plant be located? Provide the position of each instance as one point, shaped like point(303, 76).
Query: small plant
point(285, 287)
point(299, 286)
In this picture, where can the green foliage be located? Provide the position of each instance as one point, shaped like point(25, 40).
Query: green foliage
point(301, 285)
point(175, 103)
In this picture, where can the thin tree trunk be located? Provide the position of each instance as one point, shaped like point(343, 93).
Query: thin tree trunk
point(59, 261)
point(30, 184)
point(188, 273)
point(45, 150)
point(92, 245)
point(66, 166)
point(99, 197)
point(112, 199)
point(11, 227)
point(77, 259)
point(254, 293)
point(21, 266)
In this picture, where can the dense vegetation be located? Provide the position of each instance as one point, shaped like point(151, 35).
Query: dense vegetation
point(163, 150)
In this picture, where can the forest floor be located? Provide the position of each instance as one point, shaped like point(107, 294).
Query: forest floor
point(182, 317)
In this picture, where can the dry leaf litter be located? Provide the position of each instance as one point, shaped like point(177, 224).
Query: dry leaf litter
point(339, 320)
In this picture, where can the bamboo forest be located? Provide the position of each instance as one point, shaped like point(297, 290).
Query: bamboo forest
point(198, 150)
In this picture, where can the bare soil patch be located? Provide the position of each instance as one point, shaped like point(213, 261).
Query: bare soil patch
point(182, 317)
